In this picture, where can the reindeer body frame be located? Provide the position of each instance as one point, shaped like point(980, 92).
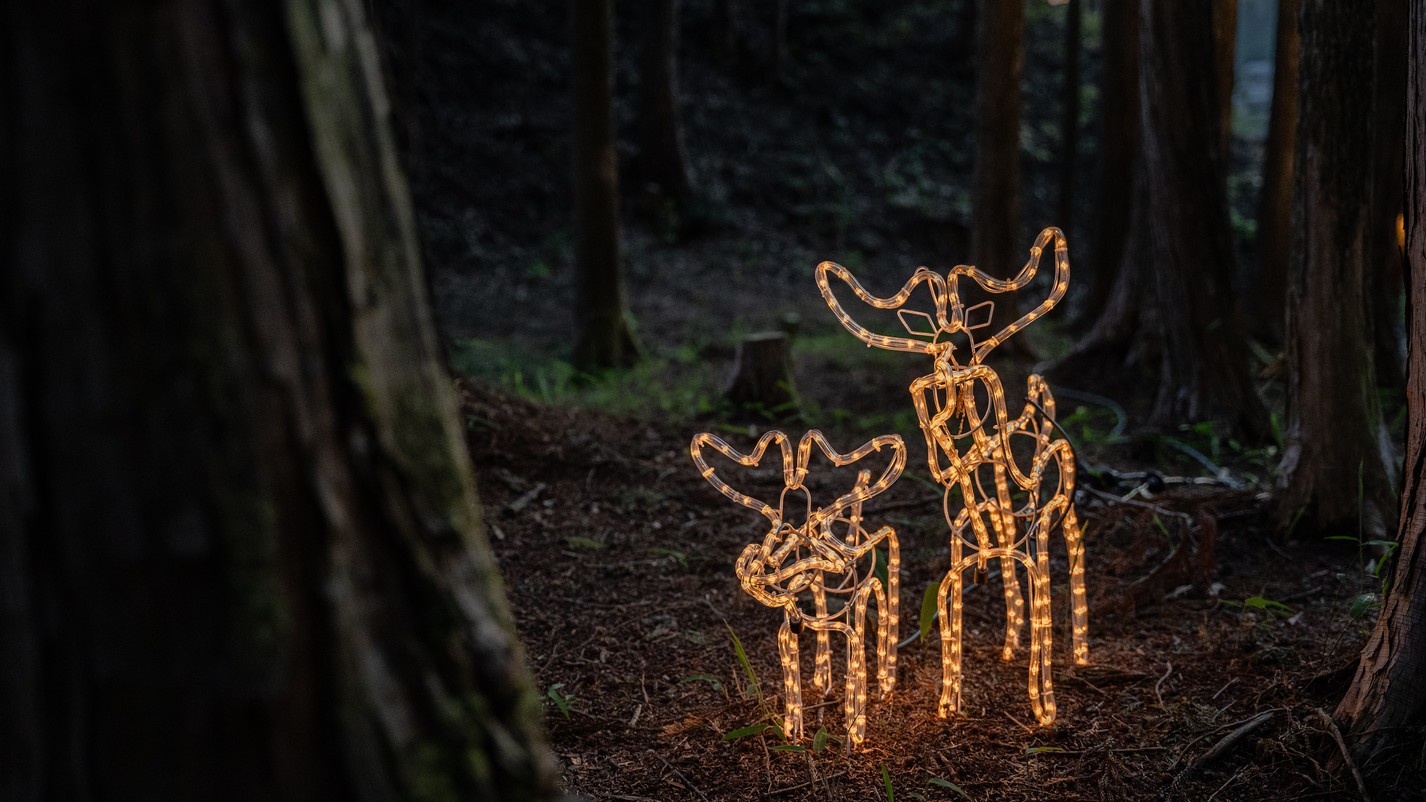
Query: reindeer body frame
point(981, 443)
point(793, 559)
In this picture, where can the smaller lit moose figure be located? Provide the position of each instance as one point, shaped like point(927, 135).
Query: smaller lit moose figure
point(812, 557)
point(961, 409)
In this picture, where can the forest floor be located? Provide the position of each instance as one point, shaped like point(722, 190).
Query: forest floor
point(619, 558)
point(619, 563)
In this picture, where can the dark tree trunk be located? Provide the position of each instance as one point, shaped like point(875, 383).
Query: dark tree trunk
point(728, 21)
point(781, 10)
point(1204, 373)
point(240, 546)
point(1385, 709)
point(1384, 255)
point(1334, 426)
point(1110, 230)
point(603, 336)
point(1069, 120)
point(995, 180)
point(1225, 46)
point(662, 161)
point(1274, 242)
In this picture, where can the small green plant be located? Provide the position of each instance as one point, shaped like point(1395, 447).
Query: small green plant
point(562, 701)
point(947, 784)
point(886, 783)
point(930, 599)
point(587, 543)
point(678, 556)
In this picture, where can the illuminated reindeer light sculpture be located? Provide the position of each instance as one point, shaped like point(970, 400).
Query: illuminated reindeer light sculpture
point(961, 409)
point(813, 557)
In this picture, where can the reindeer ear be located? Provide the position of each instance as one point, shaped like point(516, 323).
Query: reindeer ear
point(991, 284)
point(861, 491)
point(708, 440)
point(911, 320)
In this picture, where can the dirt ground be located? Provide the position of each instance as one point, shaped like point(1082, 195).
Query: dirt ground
point(619, 564)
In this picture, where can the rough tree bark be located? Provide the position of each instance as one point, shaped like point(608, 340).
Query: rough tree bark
point(1385, 709)
point(663, 160)
point(603, 336)
point(995, 175)
point(1333, 438)
point(1203, 371)
point(1110, 230)
point(1384, 256)
point(1274, 241)
point(241, 552)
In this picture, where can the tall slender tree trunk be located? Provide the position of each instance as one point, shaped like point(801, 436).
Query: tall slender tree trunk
point(995, 179)
point(1385, 708)
point(663, 160)
point(1069, 120)
point(1204, 373)
point(1274, 242)
point(240, 546)
point(1334, 441)
point(603, 336)
point(1384, 253)
point(1110, 231)
point(1225, 47)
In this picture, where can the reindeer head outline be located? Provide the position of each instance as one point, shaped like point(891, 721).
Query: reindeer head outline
point(951, 315)
point(789, 556)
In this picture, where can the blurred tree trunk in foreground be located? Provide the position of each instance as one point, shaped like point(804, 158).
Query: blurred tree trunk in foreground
point(1385, 709)
point(662, 159)
point(1110, 229)
point(1203, 370)
point(603, 336)
point(1274, 242)
point(995, 179)
point(240, 546)
point(1334, 475)
point(1384, 256)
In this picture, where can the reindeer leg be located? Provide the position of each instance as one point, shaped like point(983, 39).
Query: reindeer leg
point(1002, 517)
point(950, 612)
point(856, 669)
point(1079, 604)
point(1042, 694)
point(887, 617)
point(791, 681)
point(822, 669)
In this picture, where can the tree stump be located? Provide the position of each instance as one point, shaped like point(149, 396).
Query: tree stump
point(762, 373)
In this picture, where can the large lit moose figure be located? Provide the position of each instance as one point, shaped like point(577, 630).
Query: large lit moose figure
point(829, 552)
point(976, 448)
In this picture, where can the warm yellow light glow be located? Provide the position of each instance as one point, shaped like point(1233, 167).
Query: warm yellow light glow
point(1002, 508)
point(813, 558)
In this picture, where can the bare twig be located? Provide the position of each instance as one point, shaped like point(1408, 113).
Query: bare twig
point(1222, 689)
point(1227, 742)
point(1346, 753)
point(682, 777)
point(1123, 750)
point(1225, 784)
point(789, 789)
point(1160, 683)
